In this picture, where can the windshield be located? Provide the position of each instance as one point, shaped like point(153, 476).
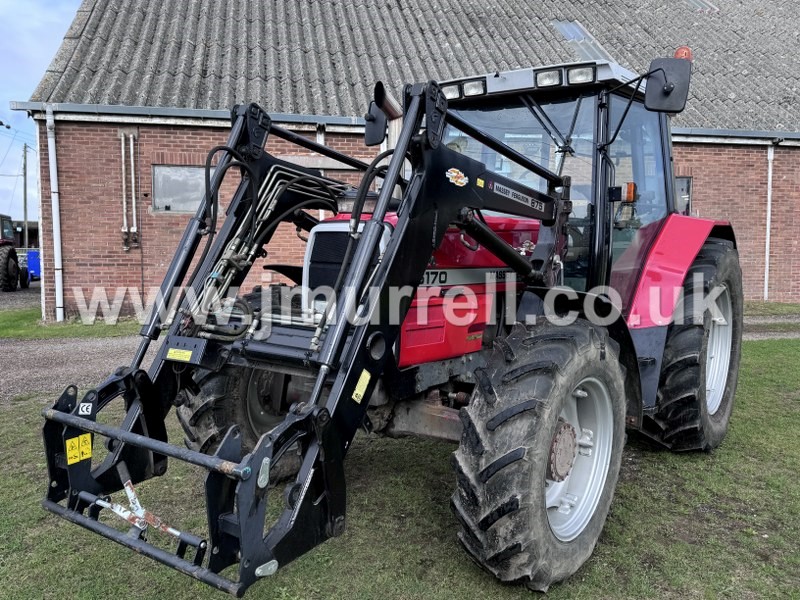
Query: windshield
point(8, 230)
point(559, 135)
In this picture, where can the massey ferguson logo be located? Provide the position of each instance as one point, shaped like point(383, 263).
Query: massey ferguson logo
point(456, 177)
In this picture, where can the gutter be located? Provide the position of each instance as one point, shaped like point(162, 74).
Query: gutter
point(55, 207)
point(179, 113)
point(733, 137)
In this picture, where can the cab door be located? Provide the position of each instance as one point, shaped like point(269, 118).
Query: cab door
point(637, 163)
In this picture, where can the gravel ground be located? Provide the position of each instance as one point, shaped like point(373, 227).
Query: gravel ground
point(36, 366)
point(771, 319)
point(770, 335)
point(22, 298)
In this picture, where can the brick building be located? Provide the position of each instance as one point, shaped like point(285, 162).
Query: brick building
point(139, 91)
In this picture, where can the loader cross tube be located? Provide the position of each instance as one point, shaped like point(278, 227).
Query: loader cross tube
point(225, 467)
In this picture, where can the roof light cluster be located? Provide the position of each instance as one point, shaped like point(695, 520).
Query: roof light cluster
point(544, 78)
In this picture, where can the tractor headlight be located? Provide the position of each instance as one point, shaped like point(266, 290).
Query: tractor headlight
point(548, 78)
point(475, 87)
point(452, 92)
point(580, 75)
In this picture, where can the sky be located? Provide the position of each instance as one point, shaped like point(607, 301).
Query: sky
point(30, 34)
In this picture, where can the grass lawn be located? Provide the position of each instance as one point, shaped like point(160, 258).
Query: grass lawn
point(681, 526)
point(25, 323)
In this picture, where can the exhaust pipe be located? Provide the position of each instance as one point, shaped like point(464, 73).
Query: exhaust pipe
point(386, 102)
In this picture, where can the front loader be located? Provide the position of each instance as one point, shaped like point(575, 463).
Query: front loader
point(498, 291)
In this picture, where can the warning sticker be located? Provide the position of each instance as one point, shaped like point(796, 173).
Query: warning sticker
point(179, 355)
point(85, 443)
point(79, 448)
point(361, 386)
point(73, 450)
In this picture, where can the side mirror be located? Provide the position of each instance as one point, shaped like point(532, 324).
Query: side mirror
point(375, 127)
point(668, 85)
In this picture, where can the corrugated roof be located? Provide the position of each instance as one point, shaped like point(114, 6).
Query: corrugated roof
point(315, 57)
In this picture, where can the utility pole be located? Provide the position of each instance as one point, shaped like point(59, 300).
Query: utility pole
point(25, 195)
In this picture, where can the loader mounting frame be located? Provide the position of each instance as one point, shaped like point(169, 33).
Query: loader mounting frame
point(346, 361)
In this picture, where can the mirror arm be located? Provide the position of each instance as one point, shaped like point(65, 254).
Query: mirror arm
point(638, 82)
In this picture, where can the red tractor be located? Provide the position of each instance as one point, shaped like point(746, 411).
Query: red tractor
point(521, 284)
point(10, 273)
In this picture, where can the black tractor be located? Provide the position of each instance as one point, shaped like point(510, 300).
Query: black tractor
point(10, 273)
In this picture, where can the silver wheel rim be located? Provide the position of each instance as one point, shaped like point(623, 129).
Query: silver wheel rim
point(718, 351)
point(572, 503)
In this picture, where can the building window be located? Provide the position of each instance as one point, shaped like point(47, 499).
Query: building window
point(683, 195)
point(178, 189)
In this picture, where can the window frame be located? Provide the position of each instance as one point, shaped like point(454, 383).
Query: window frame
point(158, 207)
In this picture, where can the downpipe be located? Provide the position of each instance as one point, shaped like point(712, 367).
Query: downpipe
point(125, 234)
point(134, 239)
point(55, 208)
point(768, 243)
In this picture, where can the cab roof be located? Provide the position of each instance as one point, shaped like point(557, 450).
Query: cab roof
point(553, 77)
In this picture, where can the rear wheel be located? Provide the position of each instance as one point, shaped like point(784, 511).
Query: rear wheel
point(701, 358)
point(9, 269)
point(24, 280)
point(540, 453)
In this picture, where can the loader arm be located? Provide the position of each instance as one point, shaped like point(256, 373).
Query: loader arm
point(346, 357)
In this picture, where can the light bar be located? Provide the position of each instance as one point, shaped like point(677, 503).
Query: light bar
point(580, 75)
point(548, 78)
point(452, 92)
point(475, 87)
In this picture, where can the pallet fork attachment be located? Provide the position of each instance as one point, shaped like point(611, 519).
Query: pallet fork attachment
point(346, 360)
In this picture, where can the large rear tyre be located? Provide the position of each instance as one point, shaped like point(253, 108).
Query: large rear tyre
point(701, 358)
point(9, 269)
point(540, 452)
point(249, 398)
point(24, 278)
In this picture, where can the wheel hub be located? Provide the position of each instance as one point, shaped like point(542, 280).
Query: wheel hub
point(562, 451)
point(261, 402)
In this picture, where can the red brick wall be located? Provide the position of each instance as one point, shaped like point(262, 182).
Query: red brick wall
point(90, 182)
point(730, 182)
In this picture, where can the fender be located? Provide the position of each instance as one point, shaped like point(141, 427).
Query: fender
point(666, 266)
point(652, 308)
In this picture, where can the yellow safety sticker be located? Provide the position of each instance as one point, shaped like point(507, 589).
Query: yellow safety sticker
point(479, 182)
point(361, 386)
point(79, 448)
point(180, 355)
point(85, 443)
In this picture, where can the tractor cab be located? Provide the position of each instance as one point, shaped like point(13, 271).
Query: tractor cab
point(6, 231)
point(599, 125)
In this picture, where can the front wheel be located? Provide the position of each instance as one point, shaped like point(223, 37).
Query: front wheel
point(540, 452)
